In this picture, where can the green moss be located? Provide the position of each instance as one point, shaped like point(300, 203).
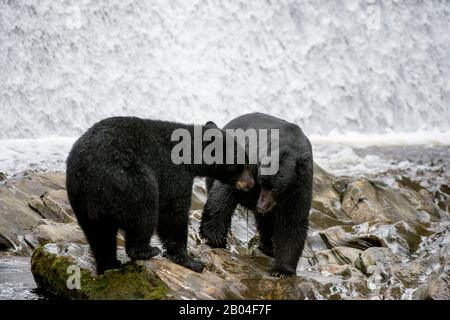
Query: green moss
point(129, 282)
point(50, 274)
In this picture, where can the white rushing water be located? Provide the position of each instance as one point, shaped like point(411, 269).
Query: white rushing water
point(349, 72)
point(333, 67)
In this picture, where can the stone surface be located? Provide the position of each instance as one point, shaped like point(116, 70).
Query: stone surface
point(53, 265)
point(366, 241)
point(50, 231)
point(34, 209)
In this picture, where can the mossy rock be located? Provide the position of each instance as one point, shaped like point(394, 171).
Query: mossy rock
point(132, 281)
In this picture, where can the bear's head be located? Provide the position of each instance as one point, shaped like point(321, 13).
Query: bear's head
point(233, 168)
point(276, 186)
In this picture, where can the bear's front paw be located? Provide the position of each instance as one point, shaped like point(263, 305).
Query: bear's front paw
point(215, 235)
point(195, 265)
point(187, 262)
point(282, 272)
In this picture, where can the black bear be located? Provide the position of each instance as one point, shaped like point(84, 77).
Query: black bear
point(121, 175)
point(280, 202)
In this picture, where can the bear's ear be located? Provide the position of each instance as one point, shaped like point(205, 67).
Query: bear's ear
point(211, 125)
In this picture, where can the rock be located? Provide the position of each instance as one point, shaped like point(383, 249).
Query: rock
point(365, 201)
point(49, 209)
point(50, 231)
point(227, 276)
point(366, 241)
point(376, 260)
point(36, 184)
point(424, 204)
point(2, 176)
point(338, 255)
point(326, 199)
point(346, 272)
point(5, 242)
point(407, 182)
point(28, 206)
point(321, 220)
point(402, 237)
point(16, 219)
point(436, 289)
point(199, 194)
point(349, 236)
point(25, 202)
point(53, 265)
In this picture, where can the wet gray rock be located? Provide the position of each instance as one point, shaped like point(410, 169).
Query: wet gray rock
point(50, 231)
point(326, 201)
point(366, 241)
point(338, 255)
point(365, 201)
point(437, 288)
point(17, 219)
point(34, 209)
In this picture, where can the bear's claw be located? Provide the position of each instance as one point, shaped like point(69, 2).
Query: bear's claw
point(282, 273)
point(215, 236)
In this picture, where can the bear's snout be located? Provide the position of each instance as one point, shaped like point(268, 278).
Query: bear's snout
point(266, 201)
point(245, 181)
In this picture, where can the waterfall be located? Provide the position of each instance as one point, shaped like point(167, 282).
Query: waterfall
point(332, 67)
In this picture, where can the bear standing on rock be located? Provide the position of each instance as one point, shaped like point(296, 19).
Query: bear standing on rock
point(280, 202)
point(121, 175)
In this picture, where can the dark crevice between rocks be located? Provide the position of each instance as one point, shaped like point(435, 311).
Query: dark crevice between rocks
point(6, 243)
point(37, 211)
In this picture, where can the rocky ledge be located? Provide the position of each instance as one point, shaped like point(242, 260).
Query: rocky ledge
point(367, 240)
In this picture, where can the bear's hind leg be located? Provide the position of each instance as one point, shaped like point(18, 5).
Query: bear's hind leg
point(138, 233)
point(173, 232)
point(139, 214)
point(102, 240)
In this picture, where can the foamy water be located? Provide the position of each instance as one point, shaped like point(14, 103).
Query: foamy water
point(44, 154)
point(330, 66)
point(342, 155)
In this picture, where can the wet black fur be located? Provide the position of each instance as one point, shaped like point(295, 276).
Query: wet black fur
point(120, 176)
point(283, 230)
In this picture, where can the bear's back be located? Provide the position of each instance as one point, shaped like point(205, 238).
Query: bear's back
point(121, 148)
point(291, 135)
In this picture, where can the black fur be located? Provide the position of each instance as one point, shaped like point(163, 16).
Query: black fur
point(283, 229)
point(120, 176)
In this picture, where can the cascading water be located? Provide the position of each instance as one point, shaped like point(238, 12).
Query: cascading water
point(330, 66)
